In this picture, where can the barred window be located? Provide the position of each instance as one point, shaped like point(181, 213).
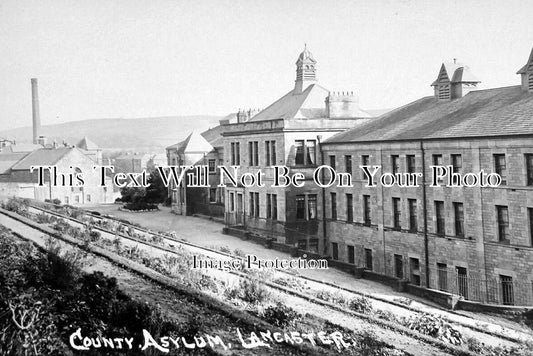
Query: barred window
point(459, 219)
point(396, 212)
point(529, 169)
point(253, 153)
point(333, 206)
point(349, 207)
point(367, 219)
point(413, 224)
point(503, 223)
point(500, 167)
point(395, 163)
point(439, 215)
point(348, 163)
point(411, 163)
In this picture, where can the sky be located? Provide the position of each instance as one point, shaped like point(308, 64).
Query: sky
point(137, 58)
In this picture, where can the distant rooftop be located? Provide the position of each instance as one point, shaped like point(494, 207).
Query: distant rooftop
point(42, 157)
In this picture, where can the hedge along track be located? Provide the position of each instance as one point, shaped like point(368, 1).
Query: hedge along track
point(310, 298)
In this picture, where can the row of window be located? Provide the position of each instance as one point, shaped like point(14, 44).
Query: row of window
point(254, 206)
point(253, 153)
point(305, 153)
point(440, 216)
point(500, 165)
point(77, 199)
point(461, 285)
point(367, 212)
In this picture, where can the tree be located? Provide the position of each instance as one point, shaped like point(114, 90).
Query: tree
point(132, 194)
point(156, 192)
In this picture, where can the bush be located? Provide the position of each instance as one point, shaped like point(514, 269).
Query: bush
point(224, 249)
point(140, 205)
point(436, 327)
point(332, 297)
point(369, 345)
point(42, 218)
point(94, 236)
point(280, 315)
point(238, 252)
point(360, 304)
point(387, 315)
point(14, 205)
point(253, 292)
point(249, 291)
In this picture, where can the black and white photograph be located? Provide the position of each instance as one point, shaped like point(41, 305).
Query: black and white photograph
point(266, 177)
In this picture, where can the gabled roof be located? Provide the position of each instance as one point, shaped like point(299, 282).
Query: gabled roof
point(309, 104)
point(42, 157)
point(213, 136)
point(9, 159)
point(194, 143)
point(455, 73)
point(87, 145)
point(528, 65)
point(493, 112)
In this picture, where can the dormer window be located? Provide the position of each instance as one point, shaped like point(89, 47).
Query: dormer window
point(444, 92)
point(454, 81)
point(526, 72)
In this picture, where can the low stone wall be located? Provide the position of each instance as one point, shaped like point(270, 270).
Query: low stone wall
point(381, 278)
point(444, 299)
point(506, 310)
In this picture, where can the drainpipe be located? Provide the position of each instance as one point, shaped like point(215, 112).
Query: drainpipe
point(424, 207)
point(486, 298)
point(383, 217)
point(324, 229)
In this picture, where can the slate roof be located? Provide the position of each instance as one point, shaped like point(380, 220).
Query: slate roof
point(527, 65)
point(482, 113)
point(194, 143)
point(309, 104)
point(457, 73)
point(8, 160)
point(87, 145)
point(214, 136)
point(42, 157)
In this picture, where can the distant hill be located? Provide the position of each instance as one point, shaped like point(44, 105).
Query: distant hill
point(143, 134)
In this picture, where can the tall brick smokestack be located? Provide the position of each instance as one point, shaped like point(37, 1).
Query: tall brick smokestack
point(35, 110)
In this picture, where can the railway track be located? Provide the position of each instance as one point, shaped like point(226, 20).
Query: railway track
point(132, 235)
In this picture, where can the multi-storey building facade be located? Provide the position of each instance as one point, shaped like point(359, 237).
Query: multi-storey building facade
point(196, 150)
point(286, 133)
point(473, 241)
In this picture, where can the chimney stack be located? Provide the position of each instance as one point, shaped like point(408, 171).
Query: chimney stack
point(35, 110)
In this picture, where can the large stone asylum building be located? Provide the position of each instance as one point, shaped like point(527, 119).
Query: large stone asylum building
point(476, 242)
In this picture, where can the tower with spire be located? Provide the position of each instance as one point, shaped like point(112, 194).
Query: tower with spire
point(305, 70)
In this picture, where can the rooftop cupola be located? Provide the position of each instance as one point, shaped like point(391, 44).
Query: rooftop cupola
point(305, 71)
point(454, 81)
point(526, 72)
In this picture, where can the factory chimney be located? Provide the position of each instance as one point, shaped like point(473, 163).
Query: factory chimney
point(35, 110)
